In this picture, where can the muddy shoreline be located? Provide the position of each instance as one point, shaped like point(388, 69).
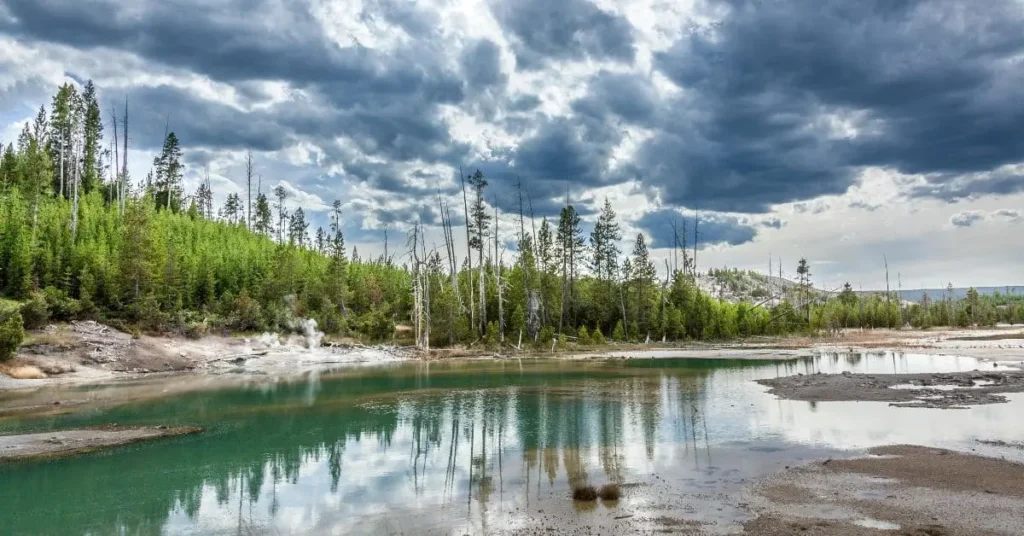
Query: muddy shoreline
point(63, 443)
point(936, 390)
point(902, 490)
point(89, 353)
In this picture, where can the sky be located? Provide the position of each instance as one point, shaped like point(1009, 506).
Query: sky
point(842, 132)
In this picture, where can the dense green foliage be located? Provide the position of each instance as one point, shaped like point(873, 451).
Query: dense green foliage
point(11, 333)
point(77, 242)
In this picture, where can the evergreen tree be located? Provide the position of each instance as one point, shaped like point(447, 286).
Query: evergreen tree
point(169, 171)
point(642, 274)
point(263, 224)
point(604, 241)
point(93, 136)
point(297, 227)
point(282, 214)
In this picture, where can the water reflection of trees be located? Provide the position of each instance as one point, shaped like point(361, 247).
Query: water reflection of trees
point(549, 423)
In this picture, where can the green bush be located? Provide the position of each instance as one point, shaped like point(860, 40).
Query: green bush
point(597, 337)
point(34, 312)
point(619, 333)
point(493, 334)
point(583, 336)
point(246, 314)
point(377, 326)
point(12, 333)
point(546, 335)
point(61, 306)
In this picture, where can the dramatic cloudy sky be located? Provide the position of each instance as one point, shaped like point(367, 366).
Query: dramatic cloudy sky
point(833, 129)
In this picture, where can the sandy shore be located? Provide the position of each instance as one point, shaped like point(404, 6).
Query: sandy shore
point(900, 490)
point(62, 443)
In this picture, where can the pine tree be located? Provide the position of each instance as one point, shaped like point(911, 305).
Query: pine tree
point(642, 274)
point(604, 244)
point(93, 136)
point(570, 246)
point(282, 214)
point(479, 223)
point(297, 227)
point(263, 224)
point(169, 171)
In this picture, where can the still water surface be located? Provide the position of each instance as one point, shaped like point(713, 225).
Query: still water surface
point(469, 447)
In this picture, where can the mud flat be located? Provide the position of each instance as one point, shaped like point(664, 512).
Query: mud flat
point(63, 443)
point(898, 490)
point(936, 390)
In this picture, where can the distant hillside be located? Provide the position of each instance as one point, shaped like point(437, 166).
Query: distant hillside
point(915, 295)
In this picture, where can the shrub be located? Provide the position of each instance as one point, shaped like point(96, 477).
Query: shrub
point(377, 326)
point(493, 334)
point(61, 306)
point(246, 314)
point(34, 312)
point(609, 492)
point(619, 333)
point(12, 333)
point(545, 336)
point(583, 337)
point(584, 493)
point(597, 337)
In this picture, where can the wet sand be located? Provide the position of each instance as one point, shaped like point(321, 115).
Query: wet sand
point(937, 390)
point(900, 490)
point(62, 443)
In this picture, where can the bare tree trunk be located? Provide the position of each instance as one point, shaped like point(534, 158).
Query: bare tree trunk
point(248, 183)
point(888, 296)
point(62, 167)
point(124, 158)
point(116, 181)
point(497, 275)
point(76, 178)
point(696, 240)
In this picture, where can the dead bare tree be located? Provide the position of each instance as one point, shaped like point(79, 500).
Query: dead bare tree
point(116, 180)
point(497, 275)
point(248, 184)
point(124, 158)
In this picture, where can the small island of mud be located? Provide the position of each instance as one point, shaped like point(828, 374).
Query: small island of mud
point(934, 390)
point(58, 444)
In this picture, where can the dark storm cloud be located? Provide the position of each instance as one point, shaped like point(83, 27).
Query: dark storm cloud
point(481, 63)
point(627, 96)
point(544, 30)
point(561, 154)
point(712, 229)
point(932, 86)
point(280, 40)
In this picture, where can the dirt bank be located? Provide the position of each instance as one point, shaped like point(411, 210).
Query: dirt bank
point(898, 490)
point(936, 390)
point(73, 442)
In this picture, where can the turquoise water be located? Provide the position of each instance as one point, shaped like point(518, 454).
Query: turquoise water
point(467, 447)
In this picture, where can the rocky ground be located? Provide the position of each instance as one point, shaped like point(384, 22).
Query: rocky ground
point(73, 442)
